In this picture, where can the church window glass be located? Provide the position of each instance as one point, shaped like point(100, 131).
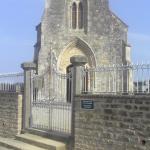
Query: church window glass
point(80, 16)
point(74, 16)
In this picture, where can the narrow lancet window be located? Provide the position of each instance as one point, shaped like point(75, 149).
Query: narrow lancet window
point(80, 16)
point(74, 16)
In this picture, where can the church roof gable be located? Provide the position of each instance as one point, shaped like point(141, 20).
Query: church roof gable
point(114, 15)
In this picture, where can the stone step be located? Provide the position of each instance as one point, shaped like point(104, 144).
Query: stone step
point(41, 141)
point(4, 148)
point(17, 145)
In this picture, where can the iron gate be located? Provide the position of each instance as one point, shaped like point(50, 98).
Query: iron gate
point(50, 109)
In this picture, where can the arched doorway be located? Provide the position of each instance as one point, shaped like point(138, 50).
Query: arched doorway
point(76, 47)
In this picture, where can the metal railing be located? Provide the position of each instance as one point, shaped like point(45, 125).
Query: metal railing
point(13, 82)
point(49, 86)
point(116, 79)
point(50, 110)
point(51, 116)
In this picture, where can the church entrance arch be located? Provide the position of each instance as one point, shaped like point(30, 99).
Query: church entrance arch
point(76, 47)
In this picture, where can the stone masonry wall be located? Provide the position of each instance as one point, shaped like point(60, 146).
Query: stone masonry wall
point(115, 123)
point(105, 33)
point(10, 114)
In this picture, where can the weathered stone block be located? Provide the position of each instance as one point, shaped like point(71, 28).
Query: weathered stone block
point(144, 108)
point(123, 113)
point(128, 107)
point(136, 114)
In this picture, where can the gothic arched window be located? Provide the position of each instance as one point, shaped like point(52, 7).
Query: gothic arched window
point(74, 16)
point(80, 16)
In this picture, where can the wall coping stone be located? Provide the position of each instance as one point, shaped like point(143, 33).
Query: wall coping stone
point(113, 96)
point(12, 93)
point(78, 60)
point(28, 66)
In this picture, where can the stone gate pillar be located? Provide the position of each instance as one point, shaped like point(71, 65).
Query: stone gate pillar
point(77, 63)
point(28, 68)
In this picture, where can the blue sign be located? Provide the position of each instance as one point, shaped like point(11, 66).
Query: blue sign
point(87, 104)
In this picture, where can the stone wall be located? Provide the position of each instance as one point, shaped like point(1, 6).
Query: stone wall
point(10, 114)
point(115, 123)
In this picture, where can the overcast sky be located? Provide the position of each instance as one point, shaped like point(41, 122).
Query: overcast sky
point(18, 19)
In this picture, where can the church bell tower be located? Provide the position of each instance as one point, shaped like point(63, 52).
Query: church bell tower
point(80, 27)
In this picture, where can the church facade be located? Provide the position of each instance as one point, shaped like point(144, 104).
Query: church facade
point(70, 28)
point(80, 27)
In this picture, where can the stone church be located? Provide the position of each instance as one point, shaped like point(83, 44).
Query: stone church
point(80, 27)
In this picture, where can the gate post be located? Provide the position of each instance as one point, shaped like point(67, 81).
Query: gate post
point(77, 62)
point(28, 68)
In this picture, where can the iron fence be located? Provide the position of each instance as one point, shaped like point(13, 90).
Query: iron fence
point(117, 79)
point(50, 110)
point(12, 82)
point(51, 85)
point(51, 116)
